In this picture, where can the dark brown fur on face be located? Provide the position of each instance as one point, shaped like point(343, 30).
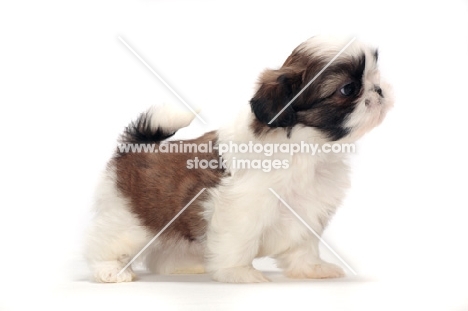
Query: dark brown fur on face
point(320, 105)
point(159, 185)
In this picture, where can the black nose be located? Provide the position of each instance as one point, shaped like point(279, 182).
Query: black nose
point(378, 90)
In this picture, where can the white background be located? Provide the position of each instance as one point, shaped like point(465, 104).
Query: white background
point(68, 87)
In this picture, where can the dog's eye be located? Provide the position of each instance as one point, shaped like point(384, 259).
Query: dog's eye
point(348, 89)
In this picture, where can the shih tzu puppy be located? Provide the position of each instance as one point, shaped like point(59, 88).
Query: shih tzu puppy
point(235, 217)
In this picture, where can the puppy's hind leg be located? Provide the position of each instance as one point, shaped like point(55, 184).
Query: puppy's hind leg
point(115, 235)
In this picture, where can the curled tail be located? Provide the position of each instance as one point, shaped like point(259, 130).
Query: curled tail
point(156, 124)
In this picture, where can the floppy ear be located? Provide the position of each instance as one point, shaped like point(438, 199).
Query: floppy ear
point(277, 88)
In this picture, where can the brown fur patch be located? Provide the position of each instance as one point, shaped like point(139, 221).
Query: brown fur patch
point(159, 185)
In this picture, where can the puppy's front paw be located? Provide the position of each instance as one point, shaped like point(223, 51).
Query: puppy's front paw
point(323, 270)
point(240, 275)
point(108, 272)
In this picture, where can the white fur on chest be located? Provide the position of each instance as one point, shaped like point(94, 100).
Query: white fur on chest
point(313, 188)
point(312, 185)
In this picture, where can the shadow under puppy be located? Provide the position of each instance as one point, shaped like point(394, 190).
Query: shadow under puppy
point(237, 218)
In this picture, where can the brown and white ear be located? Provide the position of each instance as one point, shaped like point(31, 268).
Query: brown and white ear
point(277, 88)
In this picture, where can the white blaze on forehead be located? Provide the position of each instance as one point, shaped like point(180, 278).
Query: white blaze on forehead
point(329, 46)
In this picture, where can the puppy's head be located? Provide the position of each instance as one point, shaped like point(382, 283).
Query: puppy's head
point(339, 96)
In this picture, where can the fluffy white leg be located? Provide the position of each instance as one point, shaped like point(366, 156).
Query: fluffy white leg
point(231, 248)
point(237, 221)
point(303, 262)
point(115, 235)
point(230, 260)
